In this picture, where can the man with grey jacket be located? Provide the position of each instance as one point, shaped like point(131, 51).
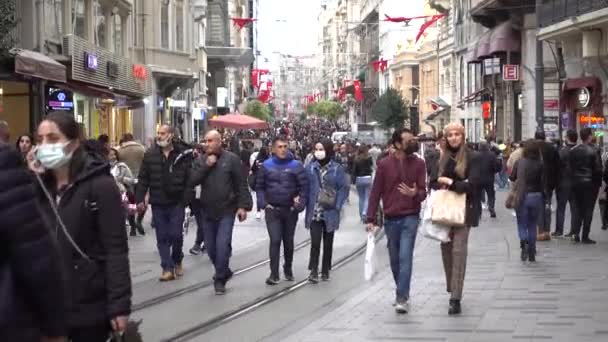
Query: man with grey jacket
point(224, 195)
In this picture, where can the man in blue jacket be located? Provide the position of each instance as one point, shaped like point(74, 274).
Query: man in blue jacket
point(281, 188)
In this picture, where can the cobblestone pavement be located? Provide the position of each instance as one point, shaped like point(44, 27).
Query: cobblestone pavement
point(562, 297)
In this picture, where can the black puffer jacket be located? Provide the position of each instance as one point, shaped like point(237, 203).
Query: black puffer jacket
point(223, 186)
point(31, 293)
point(92, 211)
point(165, 178)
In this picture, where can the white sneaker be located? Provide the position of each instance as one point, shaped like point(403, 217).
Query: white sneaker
point(484, 206)
point(258, 215)
point(402, 307)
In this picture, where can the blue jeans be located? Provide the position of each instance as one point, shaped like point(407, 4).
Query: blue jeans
point(168, 222)
point(218, 240)
point(528, 213)
point(281, 225)
point(364, 185)
point(401, 235)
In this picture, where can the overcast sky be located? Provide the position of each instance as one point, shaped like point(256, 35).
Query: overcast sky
point(287, 26)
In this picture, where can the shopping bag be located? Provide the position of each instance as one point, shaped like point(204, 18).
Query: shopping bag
point(370, 257)
point(449, 208)
point(432, 230)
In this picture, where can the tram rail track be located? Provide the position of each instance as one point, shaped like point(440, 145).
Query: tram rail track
point(226, 317)
point(146, 304)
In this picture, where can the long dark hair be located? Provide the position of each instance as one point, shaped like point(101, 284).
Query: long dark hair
point(533, 149)
point(21, 137)
point(362, 153)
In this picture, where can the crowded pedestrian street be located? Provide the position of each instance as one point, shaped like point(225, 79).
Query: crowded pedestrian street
point(303, 170)
point(564, 297)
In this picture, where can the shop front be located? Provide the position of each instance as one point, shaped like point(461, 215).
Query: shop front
point(582, 107)
point(106, 89)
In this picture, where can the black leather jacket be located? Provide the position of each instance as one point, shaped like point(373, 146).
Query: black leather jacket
point(586, 164)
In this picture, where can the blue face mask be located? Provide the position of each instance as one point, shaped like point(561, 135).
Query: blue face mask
point(53, 156)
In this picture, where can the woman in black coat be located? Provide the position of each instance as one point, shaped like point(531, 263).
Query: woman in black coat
point(459, 172)
point(91, 232)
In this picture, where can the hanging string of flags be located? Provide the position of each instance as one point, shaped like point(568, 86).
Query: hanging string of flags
point(432, 19)
point(381, 64)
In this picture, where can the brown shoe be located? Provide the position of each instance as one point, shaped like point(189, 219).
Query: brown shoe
point(179, 270)
point(544, 237)
point(167, 276)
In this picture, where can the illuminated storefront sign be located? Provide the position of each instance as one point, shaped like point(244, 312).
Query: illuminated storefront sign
point(90, 61)
point(139, 71)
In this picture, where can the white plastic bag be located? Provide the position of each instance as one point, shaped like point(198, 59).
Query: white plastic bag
point(432, 230)
point(370, 257)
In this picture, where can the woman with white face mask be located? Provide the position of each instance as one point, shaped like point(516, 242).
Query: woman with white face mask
point(82, 205)
point(328, 189)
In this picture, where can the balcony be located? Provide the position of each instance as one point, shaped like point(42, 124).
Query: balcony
point(559, 10)
point(490, 12)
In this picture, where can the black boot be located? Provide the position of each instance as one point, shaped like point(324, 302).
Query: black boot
point(140, 229)
point(454, 307)
point(523, 244)
point(133, 233)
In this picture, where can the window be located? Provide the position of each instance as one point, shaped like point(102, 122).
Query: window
point(461, 74)
point(53, 16)
point(78, 22)
point(100, 25)
point(118, 34)
point(470, 73)
point(179, 25)
point(164, 24)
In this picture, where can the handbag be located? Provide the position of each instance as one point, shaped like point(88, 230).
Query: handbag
point(327, 197)
point(429, 229)
point(449, 208)
point(369, 267)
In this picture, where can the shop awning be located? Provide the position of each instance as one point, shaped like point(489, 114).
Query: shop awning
point(483, 46)
point(34, 64)
point(440, 106)
point(471, 55)
point(504, 39)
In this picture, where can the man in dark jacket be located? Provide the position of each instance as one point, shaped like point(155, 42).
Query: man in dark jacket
point(224, 193)
point(282, 189)
point(32, 298)
point(164, 172)
point(564, 189)
point(586, 166)
point(489, 166)
point(551, 162)
point(401, 185)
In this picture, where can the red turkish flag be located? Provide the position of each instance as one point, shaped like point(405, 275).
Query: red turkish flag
point(428, 24)
point(255, 78)
point(402, 19)
point(242, 22)
point(358, 92)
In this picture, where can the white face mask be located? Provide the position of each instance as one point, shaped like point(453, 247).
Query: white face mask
point(53, 156)
point(320, 155)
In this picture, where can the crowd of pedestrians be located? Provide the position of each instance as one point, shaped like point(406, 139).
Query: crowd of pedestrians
point(91, 196)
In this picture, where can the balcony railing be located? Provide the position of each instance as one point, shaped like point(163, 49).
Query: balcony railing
point(559, 10)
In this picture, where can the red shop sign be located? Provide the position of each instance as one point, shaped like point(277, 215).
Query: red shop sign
point(139, 71)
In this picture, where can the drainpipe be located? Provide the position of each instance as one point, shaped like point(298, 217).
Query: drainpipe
point(39, 30)
point(539, 74)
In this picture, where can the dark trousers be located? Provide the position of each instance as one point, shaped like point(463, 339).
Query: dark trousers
point(99, 333)
point(168, 222)
point(218, 240)
point(281, 225)
point(200, 232)
point(318, 232)
point(544, 220)
point(585, 195)
point(488, 189)
point(564, 196)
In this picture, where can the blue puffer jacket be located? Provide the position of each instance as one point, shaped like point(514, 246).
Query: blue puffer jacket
point(279, 181)
point(335, 178)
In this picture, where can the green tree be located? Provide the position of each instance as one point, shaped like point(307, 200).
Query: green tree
point(272, 109)
point(311, 108)
point(257, 109)
point(8, 22)
point(390, 110)
point(329, 109)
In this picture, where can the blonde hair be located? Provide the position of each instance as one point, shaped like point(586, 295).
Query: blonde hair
point(461, 155)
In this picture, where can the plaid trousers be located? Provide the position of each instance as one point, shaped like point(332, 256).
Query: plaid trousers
point(454, 255)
